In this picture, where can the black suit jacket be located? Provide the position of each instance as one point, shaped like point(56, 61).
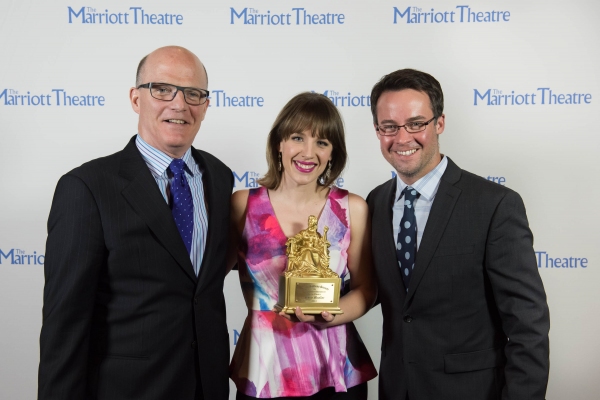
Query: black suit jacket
point(124, 316)
point(474, 323)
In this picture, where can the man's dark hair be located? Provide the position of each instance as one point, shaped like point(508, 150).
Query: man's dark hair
point(409, 79)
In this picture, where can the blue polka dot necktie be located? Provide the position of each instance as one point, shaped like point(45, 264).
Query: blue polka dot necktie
point(182, 205)
point(406, 244)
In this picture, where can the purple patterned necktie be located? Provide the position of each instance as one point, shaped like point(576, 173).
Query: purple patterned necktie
point(182, 205)
point(406, 243)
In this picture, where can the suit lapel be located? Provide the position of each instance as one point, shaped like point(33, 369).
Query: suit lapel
point(143, 195)
point(441, 210)
point(210, 202)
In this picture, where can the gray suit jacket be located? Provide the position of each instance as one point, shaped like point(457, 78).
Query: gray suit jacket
point(474, 323)
point(125, 316)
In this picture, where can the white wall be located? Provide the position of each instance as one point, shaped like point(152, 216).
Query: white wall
point(544, 151)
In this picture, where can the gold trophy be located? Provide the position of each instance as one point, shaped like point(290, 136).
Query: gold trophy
point(308, 282)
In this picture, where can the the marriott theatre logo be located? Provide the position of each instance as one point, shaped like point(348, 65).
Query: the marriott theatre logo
point(347, 99)
point(56, 97)
point(546, 260)
point(541, 96)
point(133, 16)
point(221, 98)
point(460, 14)
point(293, 16)
point(247, 179)
point(20, 257)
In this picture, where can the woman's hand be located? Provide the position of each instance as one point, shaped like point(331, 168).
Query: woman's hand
point(322, 319)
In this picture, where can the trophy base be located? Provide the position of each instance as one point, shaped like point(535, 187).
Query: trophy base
point(312, 294)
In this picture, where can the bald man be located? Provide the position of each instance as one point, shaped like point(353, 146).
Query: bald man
point(135, 256)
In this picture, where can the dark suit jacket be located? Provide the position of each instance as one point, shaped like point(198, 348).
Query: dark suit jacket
point(125, 317)
point(474, 323)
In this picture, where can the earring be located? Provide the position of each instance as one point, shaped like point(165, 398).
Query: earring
point(279, 166)
point(328, 172)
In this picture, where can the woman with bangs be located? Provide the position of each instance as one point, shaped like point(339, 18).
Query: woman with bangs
point(302, 356)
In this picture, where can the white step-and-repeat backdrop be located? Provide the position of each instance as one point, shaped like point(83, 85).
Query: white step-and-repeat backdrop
point(522, 92)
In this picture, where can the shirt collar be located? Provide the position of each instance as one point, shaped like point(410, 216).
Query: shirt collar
point(426, 186)
point(158, 161)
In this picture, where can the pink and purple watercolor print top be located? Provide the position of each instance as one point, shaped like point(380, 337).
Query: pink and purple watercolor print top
point(275, 357)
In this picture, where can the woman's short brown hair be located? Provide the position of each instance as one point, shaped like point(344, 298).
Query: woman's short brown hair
point(313, 112)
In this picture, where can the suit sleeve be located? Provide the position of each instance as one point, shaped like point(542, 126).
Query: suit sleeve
point(370, 200)
point(75, 253)
point(521, 300)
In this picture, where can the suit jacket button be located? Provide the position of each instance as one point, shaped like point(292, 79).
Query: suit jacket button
point(407, 318)
point(195, 301)
point(194, 344)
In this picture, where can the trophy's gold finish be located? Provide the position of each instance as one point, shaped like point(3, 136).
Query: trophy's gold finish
point(308, 282)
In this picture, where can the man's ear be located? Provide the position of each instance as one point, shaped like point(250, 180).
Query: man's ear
point(440, 124)
point(134, 97)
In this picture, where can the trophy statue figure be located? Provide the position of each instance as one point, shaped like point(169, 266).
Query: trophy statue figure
point(308, 253)
point(308, 282)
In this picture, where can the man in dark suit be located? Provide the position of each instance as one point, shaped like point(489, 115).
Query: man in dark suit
point(135, 256)
point(464, 309)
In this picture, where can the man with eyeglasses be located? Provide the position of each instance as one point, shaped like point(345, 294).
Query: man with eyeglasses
point(464, 309)
point(135, 256)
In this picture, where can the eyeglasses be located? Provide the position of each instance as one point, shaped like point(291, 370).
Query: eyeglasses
point(411, 127)
point(167, 92)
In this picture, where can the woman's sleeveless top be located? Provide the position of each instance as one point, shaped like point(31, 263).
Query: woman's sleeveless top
point(275, 357)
